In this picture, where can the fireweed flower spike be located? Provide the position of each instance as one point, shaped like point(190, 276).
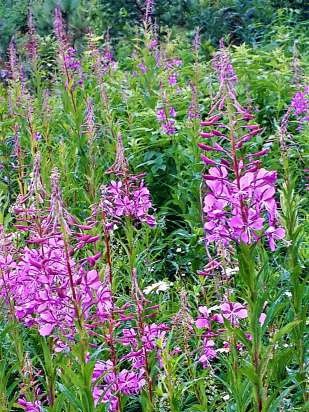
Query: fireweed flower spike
point(193, 111)
point(58, 217)
point(127, 196)
point(70, 65)
point(166, 117)
point(90, 121)
point(240, 204)
point(149, 7)
point(32, 43)
point(14, 63)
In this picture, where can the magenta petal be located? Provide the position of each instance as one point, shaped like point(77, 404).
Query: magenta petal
point(202, 323)
point(46, 329)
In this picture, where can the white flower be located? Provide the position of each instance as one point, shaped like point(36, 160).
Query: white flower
point(158, 287)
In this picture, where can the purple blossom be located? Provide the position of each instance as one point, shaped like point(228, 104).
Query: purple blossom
point(143, 68)
point(32, 43)
point(172, 112)
point(240, 205)
point(193, 110)
point(196, 44)
point(167, 124)
point(172, 79)
point(172, 63)
point(233, 312)
point(70, 60)
point(169, 127)
point(59, 28)
point(149, 7)
point(129, 199)
point(161, 115)
point(300, 103)
point(35, 406)
point(203, 321)
point(209, 353)
point(223, 66)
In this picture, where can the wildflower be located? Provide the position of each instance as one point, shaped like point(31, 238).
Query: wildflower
point(233, 312)
point(193, 110)
point(203, 321)
point(169, 127)
point(128, 200)
point(149, 6)
point(32, 43)
point(166, 117)
point(90, 120)
point(161, 116)
point(209, 353)
point(13, 60)
point(196, 44)
point(128, 196)
point(71, 66)
point(300, 103)
point(262, 318)
point(35, 406)
point(143, 68)
point(172, 79)
point(240, 204)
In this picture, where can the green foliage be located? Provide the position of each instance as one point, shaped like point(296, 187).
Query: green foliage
point(265, 367)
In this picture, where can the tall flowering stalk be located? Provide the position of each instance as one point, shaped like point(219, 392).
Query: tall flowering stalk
point(240, 208)
point(13, 60)
point(102, 63)
point(32, 41)
point(149, 8)
point(240, 204)
point(127, 201)
point(90, 131)
point(69, 62)
point(126, 197)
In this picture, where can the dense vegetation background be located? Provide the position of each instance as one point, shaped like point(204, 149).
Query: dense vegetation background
point(116, 291)
point(243, 21)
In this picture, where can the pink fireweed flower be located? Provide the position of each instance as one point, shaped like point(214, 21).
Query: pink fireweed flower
point(196, 43)
point(209, 353)
point(240, 204)
point(233, 312)
point(32, 41)
point(90, 125)
point(166, 117)
point(130, 199)
point(128, 196)
point(126, 382)
point(58, 217)
point(193, 110)
point(203, 321)
point(161, 115)
point(70, 65)
point(149, 8)
point(15, 68)
point(169, 127)
point(70, 60)
point(172, 79)
point(143, 68)
point(300, 103)
point(35, 406)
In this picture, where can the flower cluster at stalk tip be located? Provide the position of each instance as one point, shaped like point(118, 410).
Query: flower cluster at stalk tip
point(70, 64)
point(127, 196)
point(240, 203)
point(166, 117)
